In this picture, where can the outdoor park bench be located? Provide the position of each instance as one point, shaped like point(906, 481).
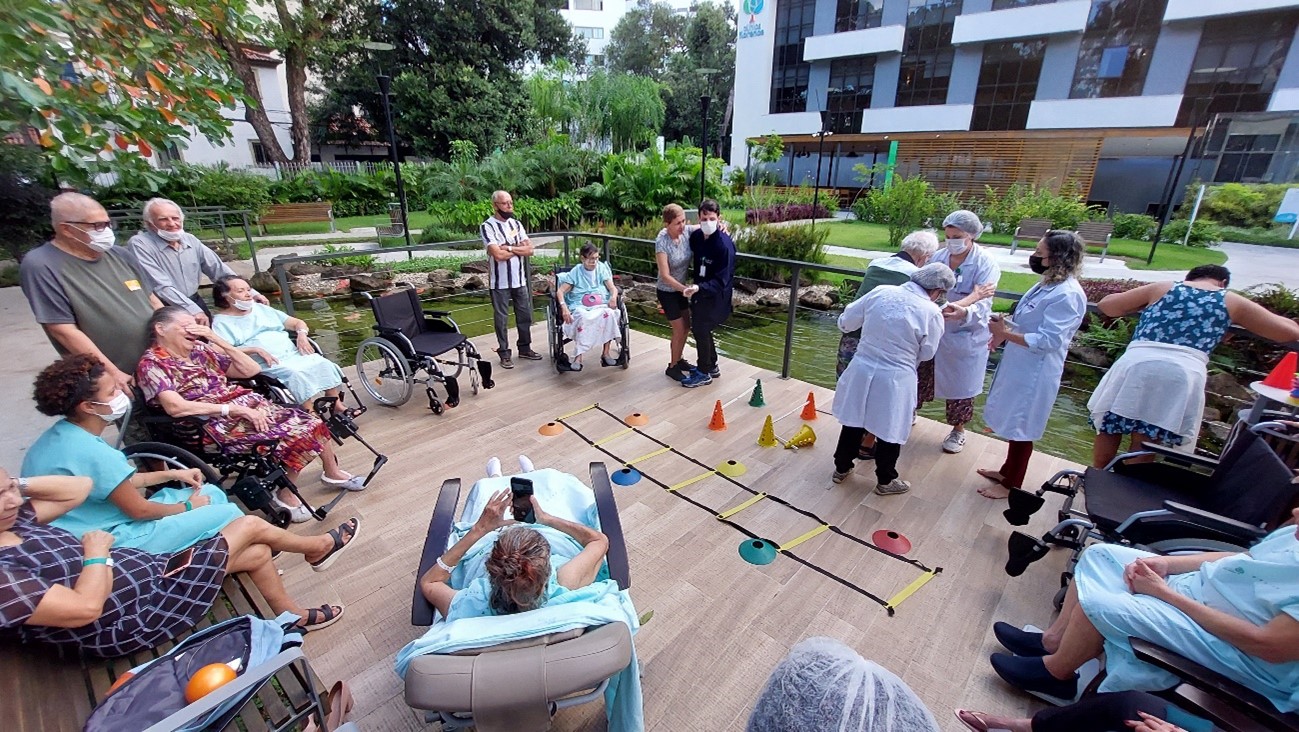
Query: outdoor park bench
point(43, 689)
point(395, 228)
point(1096, 234)
point(297, 213)
point(843, 197)
point(1029, 230)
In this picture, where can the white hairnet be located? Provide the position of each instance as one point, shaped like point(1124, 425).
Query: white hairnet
point(920, 244)
point(823, 685)
point(935, 276)
point(966, 221)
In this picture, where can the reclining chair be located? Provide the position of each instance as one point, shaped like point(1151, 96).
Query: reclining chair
point(408, 340)
point(1180, 503)
point(517, 686)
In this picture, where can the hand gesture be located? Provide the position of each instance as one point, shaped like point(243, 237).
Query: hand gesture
point(259, 297)
point(198, 499)
point(124, 381)
point(541, 516)
point(264, 355)
point(1144, 580)
point(201, 319)
point(257, 417)
point(493, 515)
point(1148, 723)
point(201, 331)
point(193, 477)
point(568, 317)
point(982, 292)
point(952, 311)
point(997, 326)
point(96, 543)
point(304, 344)
point(995, 342)
point(690, 291)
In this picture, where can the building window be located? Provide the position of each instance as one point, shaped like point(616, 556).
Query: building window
point(1008, 4)
point(789, 73)
point(594, 60)
point(1116, 48)
point(851, 80)
point(588, 32)
point(927, 53)
point(168, 155)
point(259, 153)
point(854, 15)
point(1236, 66)
point(1007, 84)
point(586, 5)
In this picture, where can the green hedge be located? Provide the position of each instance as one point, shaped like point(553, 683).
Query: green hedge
point(1272, 237)
point(554, 214)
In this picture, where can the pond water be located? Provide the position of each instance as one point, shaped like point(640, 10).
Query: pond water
point(339, 326)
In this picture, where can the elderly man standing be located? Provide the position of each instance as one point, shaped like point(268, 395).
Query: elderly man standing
point(174, 259)
point(86, 293)
point(508, 249)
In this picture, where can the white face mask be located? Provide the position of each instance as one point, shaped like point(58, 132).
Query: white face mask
point(171, 235)
point(708, 227)
point(957, 246)
point(244, 305)
point(100, 241)
point(119, 405)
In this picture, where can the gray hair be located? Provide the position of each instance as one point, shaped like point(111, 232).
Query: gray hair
point(71, 206)
point(152, 203)
point(966, 221)
point(496, 195)
point(935, 276)
point(920, 244)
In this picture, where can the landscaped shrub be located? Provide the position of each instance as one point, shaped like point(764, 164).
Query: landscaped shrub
point(554, 214)
point(757, 197)
point(907, 205)
point(635, 186)
point(192, 185)
point(798, 242)
point(1134, 226)
point(1203, 234)
point(352, 194)
point(1095, 289)
point(1066, 209)
point(439, 234)
point(785, 212)
point(1238, 204)
point(26, 187)
point(1275, 236)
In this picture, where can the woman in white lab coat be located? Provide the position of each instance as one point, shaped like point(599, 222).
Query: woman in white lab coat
point(962, 359)
point(877, 391)
point(1028, 378)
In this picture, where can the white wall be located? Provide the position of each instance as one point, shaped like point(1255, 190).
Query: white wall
point(930, 118)
point(750, 118)
point(237, 151)
point(1191, 9)
point(1157, 111)
point(855, 43)
point(1034, 20)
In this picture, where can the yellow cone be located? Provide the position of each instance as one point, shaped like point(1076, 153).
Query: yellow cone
point(805, 437)
point(768, 436)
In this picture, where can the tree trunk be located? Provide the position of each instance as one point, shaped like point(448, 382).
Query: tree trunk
point(255, 114)
point(294, 52)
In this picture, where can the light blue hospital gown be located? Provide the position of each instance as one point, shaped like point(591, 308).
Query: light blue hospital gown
point(66, 449)
point(474, 600)
point(263, 327)
point(1257, 586)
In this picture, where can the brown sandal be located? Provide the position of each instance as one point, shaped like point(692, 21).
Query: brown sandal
point(321, 617)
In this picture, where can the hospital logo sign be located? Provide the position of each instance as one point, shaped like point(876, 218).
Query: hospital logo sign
point(752, 8)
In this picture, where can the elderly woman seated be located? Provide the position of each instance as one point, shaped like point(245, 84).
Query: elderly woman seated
point(92, 599)
point(185, 374)
point(77, 389)
point(1234, 613)
point(261, 332)
point(588, 303)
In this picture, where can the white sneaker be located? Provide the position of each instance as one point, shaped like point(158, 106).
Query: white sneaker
point(525, 464)
point(297, 514)
point(895, 487)
point(494, 467)
point(351, 483)
point(955, 442)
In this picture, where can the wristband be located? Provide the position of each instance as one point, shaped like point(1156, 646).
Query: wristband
point(189, 506)
point(106, 561)
point(443, 565)
point(302, 330)
point(225, 410)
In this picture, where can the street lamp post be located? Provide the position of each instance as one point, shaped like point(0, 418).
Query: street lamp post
point(385, 91)
point(704, 100)
point(820, 154)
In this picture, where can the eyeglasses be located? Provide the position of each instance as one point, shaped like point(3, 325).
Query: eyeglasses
point(96, 225)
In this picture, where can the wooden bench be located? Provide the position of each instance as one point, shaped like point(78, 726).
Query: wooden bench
point(297, 213)
point(842, 196)
point(1097, 234)
point(43, 690)
point(395, 228)
point(1029, 230)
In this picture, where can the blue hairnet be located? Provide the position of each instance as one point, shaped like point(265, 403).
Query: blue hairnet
point(825, 685)
point(966, 221)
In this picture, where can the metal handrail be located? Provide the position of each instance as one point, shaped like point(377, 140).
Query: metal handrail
point(199, 214)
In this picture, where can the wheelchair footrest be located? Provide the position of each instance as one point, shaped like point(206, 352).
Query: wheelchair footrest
point(485, 370)
point(1024, 550)
point(453, 392)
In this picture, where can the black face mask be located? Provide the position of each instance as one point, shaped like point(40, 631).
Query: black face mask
point(1035, 264)
point(507, 215)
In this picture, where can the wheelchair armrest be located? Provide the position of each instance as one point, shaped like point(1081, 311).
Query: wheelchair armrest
point(610, 525)
point(1169, 455)
point(1226, 700)
point(439, 528)
point(1213, 521)
point(436, 313)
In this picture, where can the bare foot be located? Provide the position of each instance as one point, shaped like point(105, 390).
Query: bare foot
point(994, 492)
point(991, 475)
point(983, 722)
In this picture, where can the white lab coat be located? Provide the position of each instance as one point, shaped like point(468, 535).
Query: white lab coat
point(900, 328)
point(1027, 380)
point(962, 358)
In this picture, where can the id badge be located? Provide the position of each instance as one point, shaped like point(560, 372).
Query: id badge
point(132, 285)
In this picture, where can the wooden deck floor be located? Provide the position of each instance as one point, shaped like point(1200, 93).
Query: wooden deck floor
point(719, 624)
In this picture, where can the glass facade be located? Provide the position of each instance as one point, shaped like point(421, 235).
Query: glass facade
point(1116, 48)
point(927, 53)
point(789, 73)
point(1008, 4)
point(851, 80)
point(1236, 65)
point(1007, 84)
point(851, 15)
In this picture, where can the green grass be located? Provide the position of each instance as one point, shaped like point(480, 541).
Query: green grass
point(9, 276)
point(416, 219)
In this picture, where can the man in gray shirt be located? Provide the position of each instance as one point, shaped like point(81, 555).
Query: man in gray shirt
point(174, 259)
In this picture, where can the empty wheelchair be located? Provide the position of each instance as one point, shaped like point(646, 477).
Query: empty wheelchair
point(1177, 504)
point(558, 341)
point(409, 341)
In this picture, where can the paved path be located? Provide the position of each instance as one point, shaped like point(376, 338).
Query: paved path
point(26, 352)
point(1112, 268)
point(1251, 264)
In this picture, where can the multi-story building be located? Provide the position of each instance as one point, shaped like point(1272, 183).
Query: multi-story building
point(594, 21)
point(1101, 94)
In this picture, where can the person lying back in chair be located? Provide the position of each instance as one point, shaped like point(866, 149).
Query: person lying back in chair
point(521, 573)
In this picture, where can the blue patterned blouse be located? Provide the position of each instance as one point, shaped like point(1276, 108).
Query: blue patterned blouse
point(1186, 316)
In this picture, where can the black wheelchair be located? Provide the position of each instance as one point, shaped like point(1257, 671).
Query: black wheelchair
point(409, 340)
point(555, 329)
point(1175, 503)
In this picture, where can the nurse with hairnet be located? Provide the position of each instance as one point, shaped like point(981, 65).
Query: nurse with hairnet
point(962, 359)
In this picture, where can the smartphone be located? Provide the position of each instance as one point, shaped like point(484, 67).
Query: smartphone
point(521, 488)
point(178, 562)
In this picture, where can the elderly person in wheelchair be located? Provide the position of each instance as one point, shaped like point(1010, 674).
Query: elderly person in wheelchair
point(1233, 613)
point(588, 304)
point(186, 373)
point(261, 331)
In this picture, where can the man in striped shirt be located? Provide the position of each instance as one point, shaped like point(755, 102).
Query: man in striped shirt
point(508, 249)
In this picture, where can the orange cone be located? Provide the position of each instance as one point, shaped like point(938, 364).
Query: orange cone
point(718, 422)
point(809, 409)
point(1282, 377)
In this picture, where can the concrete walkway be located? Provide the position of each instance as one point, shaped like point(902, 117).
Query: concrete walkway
point(1112, 268)
point(26, 352)
point(1251, 264)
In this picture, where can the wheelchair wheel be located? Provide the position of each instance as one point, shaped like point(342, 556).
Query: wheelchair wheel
point(552, 331)
point(384, 372)
point(170, 456)
point(473, 380)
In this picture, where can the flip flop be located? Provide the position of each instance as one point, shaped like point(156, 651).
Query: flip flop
point(351, 528)
point(978, 724)
point(319, 618)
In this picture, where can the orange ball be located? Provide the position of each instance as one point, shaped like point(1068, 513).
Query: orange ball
point(120, 680)
point(207, 680)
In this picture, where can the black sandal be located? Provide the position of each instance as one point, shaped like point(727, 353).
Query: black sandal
point(349, 528)
point(319, 618)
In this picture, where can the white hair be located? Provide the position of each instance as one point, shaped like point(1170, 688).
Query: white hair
point(920, 244)
point(71, 206)
point(152, 203)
